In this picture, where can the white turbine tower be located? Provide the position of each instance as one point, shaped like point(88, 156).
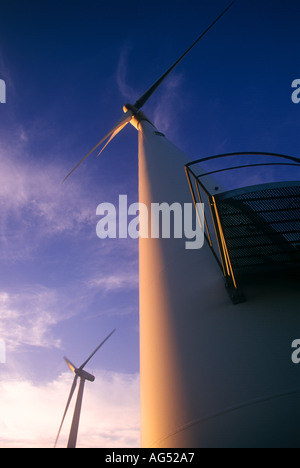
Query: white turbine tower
point(83, 375)
point(215, 374)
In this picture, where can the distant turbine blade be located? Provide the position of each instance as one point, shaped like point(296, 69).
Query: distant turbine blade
point(70, 365)
point(122, 122)
point(67, 407)
point(144, 98)
point(94, 352)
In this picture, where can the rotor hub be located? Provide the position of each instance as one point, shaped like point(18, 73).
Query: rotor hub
point(138, 115)
point(84, 375)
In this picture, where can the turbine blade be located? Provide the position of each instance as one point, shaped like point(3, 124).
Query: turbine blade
point(144, 98)
point(70, 365)
point(94, 352)
point(122, 122)
point(118, 130)
point(67, 407)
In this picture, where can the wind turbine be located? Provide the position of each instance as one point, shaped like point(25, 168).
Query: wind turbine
point(213, 374)
point(83, 376)
point(133, 113)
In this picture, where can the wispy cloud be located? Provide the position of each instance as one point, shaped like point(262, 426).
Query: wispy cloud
point(34, 205)
point(115, 282)
point(169, 105)
point(126, 90)
point(31, 414)
point(28, 316)
point(48, 242)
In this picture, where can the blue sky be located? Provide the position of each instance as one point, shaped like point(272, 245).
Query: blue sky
point(69, 67)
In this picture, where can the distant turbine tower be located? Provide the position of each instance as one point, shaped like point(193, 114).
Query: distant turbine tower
point(215, 374)
point(83, 375)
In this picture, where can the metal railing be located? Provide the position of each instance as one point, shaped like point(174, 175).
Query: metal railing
point(199, 189)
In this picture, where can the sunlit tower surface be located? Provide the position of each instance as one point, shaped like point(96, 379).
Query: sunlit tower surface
point(216, 325)
point(216, 367)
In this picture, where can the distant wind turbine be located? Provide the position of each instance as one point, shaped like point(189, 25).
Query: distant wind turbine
point(83, 375)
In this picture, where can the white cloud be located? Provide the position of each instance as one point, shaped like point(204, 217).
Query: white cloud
point(30, 414)
point(115, 282)
point(27, 317)
point(35, 205)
